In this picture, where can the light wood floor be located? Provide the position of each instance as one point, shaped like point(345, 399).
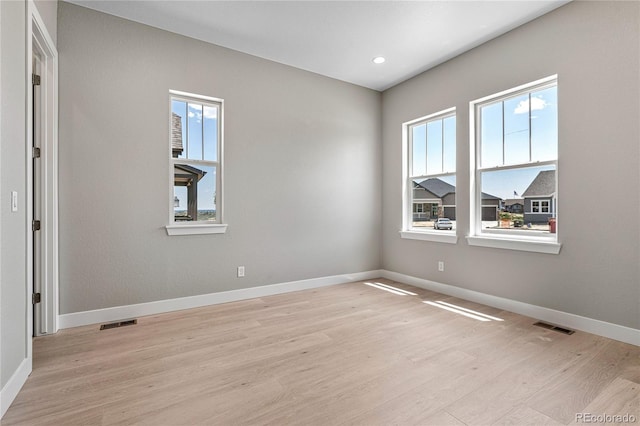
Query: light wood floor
point(346, 354)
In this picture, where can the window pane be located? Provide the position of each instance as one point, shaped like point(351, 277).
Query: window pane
point(210, 116)
point(194, 143)
point(449, 144)
point(178, 129)
point(432, 199)
point(434, 147)
point(544, 124)
point(194, 192)
point(516, 130)
point(180, 203)
point(491, 135)
point(419, 153)
point(207, 194)
point(515, 199)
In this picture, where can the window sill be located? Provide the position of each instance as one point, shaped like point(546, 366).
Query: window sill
point(547, 247)
point(448, 237)
point(197, 229)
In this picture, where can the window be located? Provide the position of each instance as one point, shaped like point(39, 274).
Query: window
point(418, 208)
point(195, 160)
point(515, 161)
point(538, 206)
point(430, 176)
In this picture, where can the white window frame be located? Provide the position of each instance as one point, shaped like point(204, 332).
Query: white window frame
point(535, 204)
point(198, 227)
point(541, 207)
point(408, 231)
point(514, 240)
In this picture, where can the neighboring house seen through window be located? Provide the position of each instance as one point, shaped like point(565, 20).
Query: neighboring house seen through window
point(196, 160)
point(430, 193)
point(515, 160)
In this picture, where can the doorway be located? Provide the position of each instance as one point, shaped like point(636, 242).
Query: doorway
point(36, 192)
point(42, 180)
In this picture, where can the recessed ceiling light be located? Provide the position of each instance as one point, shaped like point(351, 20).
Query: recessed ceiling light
point(378, 60)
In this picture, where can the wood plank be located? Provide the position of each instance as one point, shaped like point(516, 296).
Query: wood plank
point(522, 415)
point(576, 387)
point(620, 401)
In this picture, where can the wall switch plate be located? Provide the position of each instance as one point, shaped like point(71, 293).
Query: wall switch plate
point(240, 271)
point(441, 266)
point(14, 201)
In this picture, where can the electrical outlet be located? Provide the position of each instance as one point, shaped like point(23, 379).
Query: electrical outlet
point(441, 266)
point(240, 271)
point(14, 201)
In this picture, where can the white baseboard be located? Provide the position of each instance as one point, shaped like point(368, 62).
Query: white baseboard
point(13, 386)
point(601, 328)
point(564, 319)
point(152, 308)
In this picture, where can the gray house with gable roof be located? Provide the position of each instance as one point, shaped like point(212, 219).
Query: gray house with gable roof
point(434, 198)
point(540, 198)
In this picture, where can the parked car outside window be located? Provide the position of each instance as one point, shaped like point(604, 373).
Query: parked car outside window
point(443, 223)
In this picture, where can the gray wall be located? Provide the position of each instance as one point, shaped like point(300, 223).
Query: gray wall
point(48, 10)
point(302, 168)
point(594, 48)
point(13, 308)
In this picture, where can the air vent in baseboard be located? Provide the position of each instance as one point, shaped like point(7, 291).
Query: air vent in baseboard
point(554, 327)
point(118, 324)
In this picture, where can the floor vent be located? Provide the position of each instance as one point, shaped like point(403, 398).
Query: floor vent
point(554, 328)
point(118, 324)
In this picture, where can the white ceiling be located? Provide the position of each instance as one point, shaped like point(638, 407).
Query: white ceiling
point(338, 39)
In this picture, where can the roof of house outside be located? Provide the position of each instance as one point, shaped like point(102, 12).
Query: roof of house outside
point(513, 201)
point(486, 196)
point(543, 185)
point(189, 170)
point(440, 188)
point(437, 187)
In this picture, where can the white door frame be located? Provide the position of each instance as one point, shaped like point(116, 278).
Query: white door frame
point(39, 42)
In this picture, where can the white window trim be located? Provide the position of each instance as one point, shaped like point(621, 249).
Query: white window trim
point(199, 227)
point(408, 232)
point(540, 207)
point(437, 236)
point(419, 210)
point(535, 204)
point(510, 243)
point(477, 237)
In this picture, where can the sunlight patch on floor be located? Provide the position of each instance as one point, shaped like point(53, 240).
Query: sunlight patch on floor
point(463, 311)
point(470, 311)
point(391, 289)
